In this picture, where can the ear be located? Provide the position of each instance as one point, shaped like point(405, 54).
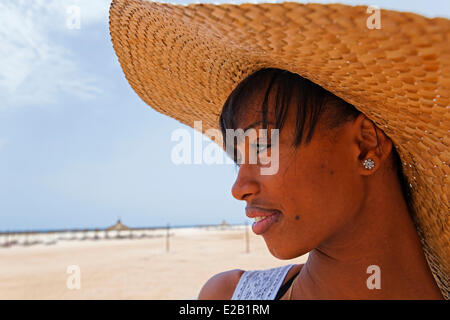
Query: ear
point(372, 143)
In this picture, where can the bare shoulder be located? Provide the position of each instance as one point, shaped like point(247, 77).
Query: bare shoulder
point(221, 286)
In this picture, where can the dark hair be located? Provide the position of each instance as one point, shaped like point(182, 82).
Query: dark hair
point(314, 103)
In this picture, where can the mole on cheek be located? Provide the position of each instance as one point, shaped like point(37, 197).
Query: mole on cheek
point(297, 217)
point(331, 172)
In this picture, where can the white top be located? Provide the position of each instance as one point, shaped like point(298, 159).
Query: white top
point(260, 284)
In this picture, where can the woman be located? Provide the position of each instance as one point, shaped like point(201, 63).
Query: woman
point(323, 199)
point(357, 108)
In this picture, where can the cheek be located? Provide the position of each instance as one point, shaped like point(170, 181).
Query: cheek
point(324, 194)
point(317, 199)
point(316, 194)
point(330, 195)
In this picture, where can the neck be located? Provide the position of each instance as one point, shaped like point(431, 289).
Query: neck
point(382, 234)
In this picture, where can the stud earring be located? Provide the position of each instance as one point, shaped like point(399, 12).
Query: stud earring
point(369, 164)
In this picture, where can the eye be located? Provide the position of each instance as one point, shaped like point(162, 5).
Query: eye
point(260, 147)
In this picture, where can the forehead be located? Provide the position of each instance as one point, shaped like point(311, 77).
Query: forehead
point(251, 108)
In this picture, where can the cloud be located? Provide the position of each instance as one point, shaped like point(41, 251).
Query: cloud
point(37, 65)
point(34, 66)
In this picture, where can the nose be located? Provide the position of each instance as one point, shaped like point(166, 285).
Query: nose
point(246, 184)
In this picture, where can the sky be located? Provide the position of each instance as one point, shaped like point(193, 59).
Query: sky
point(79, 148)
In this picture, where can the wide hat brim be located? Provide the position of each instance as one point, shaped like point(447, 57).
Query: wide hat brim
point(185, 60)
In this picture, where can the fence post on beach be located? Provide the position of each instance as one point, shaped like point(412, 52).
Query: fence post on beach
point(167, 237)
point(247, 244)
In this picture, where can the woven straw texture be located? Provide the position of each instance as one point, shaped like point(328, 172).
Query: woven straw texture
point(184, 61)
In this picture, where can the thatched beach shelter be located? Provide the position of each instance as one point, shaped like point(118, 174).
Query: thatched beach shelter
point(118, 227)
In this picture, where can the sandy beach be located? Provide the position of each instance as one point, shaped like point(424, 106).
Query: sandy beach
point(132, 268)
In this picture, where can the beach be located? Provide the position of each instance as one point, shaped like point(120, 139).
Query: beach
point(136, 268)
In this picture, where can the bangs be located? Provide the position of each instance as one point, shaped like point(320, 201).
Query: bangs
point(312, 100)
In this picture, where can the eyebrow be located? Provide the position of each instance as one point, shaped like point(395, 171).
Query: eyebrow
point(254, 124)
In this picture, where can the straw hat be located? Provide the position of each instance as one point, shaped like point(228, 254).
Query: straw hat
point(184, 61)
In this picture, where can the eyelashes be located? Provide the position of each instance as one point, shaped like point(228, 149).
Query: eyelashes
point(259, 148)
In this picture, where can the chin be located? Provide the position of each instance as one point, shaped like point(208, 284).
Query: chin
point(286, 253)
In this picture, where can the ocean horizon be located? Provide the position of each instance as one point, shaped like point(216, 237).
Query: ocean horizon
point(56, 230)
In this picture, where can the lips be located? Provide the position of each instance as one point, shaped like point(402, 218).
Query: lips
point(252, 212)
point(264, 218)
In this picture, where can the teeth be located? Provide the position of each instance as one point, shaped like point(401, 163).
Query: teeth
point(259, 218)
